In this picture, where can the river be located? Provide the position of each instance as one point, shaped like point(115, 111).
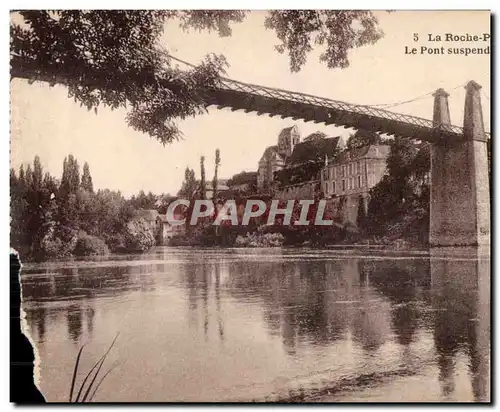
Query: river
point(292, 325)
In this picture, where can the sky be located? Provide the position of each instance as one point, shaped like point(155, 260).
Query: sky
point(46, 122)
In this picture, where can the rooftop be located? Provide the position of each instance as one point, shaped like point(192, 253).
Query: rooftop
point(379, 151)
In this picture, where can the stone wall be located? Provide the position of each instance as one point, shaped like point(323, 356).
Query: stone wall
point(303, 191)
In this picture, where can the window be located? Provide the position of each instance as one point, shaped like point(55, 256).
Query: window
point(333, 187)
point(325, 174)
point(343, 185)
point(350, 168)
point(359, 180)
point(358, 167)
point(326, 188)
point(330, 172)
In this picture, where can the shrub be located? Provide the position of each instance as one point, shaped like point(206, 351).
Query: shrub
point(260, 240)
point(185, 239)
point(58, 242)
point(51, 247)
point(138, 236)
point(88, 245)
point(115, 242)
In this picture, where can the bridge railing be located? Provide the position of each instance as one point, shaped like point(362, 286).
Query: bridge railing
point(297, 97)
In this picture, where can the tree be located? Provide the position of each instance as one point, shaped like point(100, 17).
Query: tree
point(18, 207)
point(144, 201)
point(203, 185)
point(70, 181)
point(399, 203)
point(215, 180)
point(363, 138)
point(29, 176)
point(37, 173)
point(21, 175)
point(30, 207)
point(189, 185)
point(113, 58)
point(87, 179)
point(338, 30)
point(361, 216)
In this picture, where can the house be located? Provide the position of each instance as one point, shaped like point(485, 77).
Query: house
point(222, 188)
point(165, 230)
point(347, 179)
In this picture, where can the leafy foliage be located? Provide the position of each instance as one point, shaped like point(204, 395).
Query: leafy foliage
point(215, 180)
point(138, 236)
point(189, 185)
point(211, 20)
point(244, 178)
point(299, 174)
point(399, 203)
point(361, 214)
point(144, 201)
point(51, 220)
point(114, 57)
point(260, 240)
point(363, 138)
point(203, 183)
point(88, 245)
point(314, 149)
point(87, 184)
point(337, 30)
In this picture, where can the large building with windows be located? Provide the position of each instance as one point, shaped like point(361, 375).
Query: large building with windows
point(347, 179)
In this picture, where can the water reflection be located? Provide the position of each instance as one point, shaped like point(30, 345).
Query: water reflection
point(461, 298)
point(283, 326)
point(203, 287)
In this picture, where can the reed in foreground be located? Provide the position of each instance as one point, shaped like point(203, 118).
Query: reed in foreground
point(87, 391)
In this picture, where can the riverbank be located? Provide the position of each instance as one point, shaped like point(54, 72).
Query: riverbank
point(329, 237)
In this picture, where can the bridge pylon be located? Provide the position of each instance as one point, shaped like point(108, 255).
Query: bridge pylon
point(460, 195)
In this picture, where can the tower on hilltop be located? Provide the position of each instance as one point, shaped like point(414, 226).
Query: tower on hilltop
point(287, 140)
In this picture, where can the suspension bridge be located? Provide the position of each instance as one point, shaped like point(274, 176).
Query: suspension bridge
point(460, 194)
point(288, 104)
point(238, 95)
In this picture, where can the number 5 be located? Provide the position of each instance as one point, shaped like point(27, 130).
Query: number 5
point(415, 36)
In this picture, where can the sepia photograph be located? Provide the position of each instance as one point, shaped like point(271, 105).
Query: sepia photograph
point(250, 206)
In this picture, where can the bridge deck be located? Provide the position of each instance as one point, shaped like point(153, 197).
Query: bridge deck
point(276, 102)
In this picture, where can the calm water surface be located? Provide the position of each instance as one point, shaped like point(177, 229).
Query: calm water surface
point(266, 325)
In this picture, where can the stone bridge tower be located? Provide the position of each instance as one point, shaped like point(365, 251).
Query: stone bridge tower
point(460, 194)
